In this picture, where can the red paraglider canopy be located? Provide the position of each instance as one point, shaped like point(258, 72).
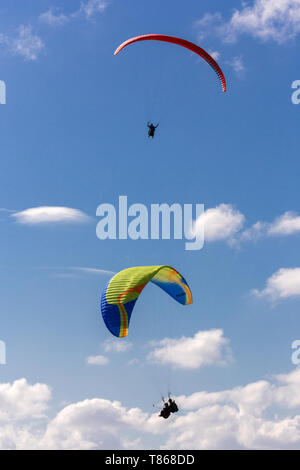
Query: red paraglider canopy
point(180, 42)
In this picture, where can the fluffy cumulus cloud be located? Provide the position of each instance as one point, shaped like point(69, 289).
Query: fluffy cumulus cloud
point(204, 348)
point(22, 406)
point(224, 222)
point(21, 400)
point(285, 225)
point(220, 223)
point(48, 214)
point(89, 424)
point(283, 284)
point(260, 415)
point(276, 20)
point(95, 424)
point(240, 418)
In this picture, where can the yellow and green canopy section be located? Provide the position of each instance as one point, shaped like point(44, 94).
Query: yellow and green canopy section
point(121, 293)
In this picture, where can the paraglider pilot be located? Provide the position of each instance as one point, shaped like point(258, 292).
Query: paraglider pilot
point(169, 407)
point(165, 412)
point(172, 405)
point(151, 129)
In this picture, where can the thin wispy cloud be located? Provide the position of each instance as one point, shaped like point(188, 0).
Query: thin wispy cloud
point(64, 275)
point(238, 65)
point(29, 45)
point(25, 43)
point(74, 272)
point(3, 209)
point(206, 23)
point(52, 19)
point(253, 233)
point(111, 345)
point(87, 9)
point(215, 54)
point(134, 362)
point(92, 7)
point(95, 271)
point(97, 360)
point(50, 215)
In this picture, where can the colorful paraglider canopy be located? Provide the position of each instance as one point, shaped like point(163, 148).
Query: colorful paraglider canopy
point(180, 42)
point(121, 293)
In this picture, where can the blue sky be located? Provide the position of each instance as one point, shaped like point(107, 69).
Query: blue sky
point(74, 135)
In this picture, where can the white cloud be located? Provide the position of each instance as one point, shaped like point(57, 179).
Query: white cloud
point(237, 65)
point(234, 418)
point(88, 9)
point(97, 360)
point(283, 284)
point(276, 20)
point(204, 348)
point(94, 424)
point(25, 43)
point(215, 54)
point(284, 225)
point(93, 271)
point(133, 362)
point(20, 400)
point(75, 271)
point(48, 214)
point(92, 7)
point(220, 223)
point(223, 222)
point(287, 394)
point(254, 233)
point(52, 19)
point(287, 224)
point(29, 45)
point(122, 345)
point(207, 23)
point(244, 417)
